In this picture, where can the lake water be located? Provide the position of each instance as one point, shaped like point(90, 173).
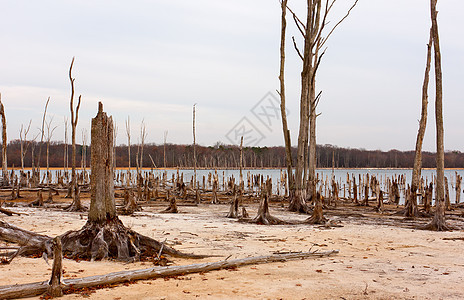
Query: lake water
point(323, 174)
point(340, 176)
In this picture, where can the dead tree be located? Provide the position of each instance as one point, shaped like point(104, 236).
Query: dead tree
point(164, 147)
point(39, 200)
point(411, 202)
point(447, 196)
point(42, 135)
point(172, 208)
point(4, 145)
point(143, 136)
point(104, 235)
point(84, 153)
point(48, 139)
point(23, 142)
point(314, 40)
point(76, 203)
point(128, 133)
point(286, 132)
point(264, 217)
point(458, 188)
point(438, 223)
point(55, 285)
point(194, 152)
point(317, 216)
point(65, 152)
point(38, 288)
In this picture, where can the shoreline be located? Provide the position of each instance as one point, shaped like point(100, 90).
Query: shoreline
point(228, 168)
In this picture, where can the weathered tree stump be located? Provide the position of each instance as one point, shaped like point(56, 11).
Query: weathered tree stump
point(103, 235)
point(172, 208)
point(317, 217)
point(54, 285)
point(38, 201)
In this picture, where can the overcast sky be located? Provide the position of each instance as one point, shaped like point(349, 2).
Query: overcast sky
point(153, 60)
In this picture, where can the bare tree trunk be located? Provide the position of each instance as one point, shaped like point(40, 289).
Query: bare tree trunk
point(23, 142)
point(43, 130)
point(288, 144)
point(76, 203)
point(411, 203)
point(54, 285)
point(312, 31)
point(458, 188)
point(129, 175)
point(241, 165)
point(65, 155)
point(194, 153)
point(102, 205)
point(4, 145)
point(164, 148)
point(37, 288)
point(143, 136)
point(438, 223)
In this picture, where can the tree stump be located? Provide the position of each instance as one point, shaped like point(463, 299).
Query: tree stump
point(54, 285)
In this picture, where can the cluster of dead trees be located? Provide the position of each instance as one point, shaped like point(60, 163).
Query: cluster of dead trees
point(227, 156)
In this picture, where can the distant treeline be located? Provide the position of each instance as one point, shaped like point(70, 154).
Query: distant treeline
point(228, 156)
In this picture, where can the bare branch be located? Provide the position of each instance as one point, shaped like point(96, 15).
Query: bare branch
point(296, 48)
point(300, 25)
point(339, 22)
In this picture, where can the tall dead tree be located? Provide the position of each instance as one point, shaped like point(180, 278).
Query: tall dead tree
point(115, 135)
point(49, 136)
point(314, 41)
point(283, 113)
point(76, 203)
point(438, 223)
point(411, 203)
point(23, 142)
point(164, 147)
point(4, 145)
point(84, 152)
point(128, 133)
point(42, 135)
point(103, 235)
point(194, 152)
point(143, 136)
point(65, 152)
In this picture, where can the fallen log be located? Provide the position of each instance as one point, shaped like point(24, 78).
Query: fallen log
point(38, 288)
point(10, 212)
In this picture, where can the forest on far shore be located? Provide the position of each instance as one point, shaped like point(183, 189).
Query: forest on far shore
point(227, 156)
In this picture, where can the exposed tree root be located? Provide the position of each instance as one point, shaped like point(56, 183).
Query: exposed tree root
point(317, 217)
point(264, 217)
point(172, 208)
point(93, 241)
point(298, 204)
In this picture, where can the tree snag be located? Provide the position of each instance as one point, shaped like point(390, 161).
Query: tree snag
point(54, 285)
point(4, 145)
point(104, 235)
point(317, 217)
point(76, 203)
point(411, 202)
point(438, 222)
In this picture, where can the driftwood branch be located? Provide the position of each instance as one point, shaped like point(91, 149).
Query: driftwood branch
point(37, 288)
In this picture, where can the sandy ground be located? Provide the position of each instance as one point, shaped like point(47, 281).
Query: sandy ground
point(375, 261)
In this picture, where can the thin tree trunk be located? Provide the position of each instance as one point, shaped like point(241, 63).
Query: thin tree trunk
point(194, 153)
point(4, 145)
point(438, 222)
point(411, 204)
point(76, 203)
point(286, 132)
